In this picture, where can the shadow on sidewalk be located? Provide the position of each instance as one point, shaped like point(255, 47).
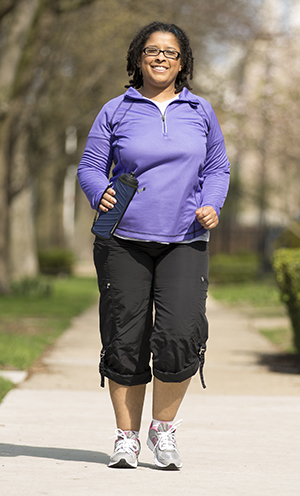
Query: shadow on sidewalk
point(74, 455)
point(283, 363)
point(65, 454)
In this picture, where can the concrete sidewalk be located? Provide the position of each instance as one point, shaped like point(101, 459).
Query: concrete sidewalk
point(240, 436)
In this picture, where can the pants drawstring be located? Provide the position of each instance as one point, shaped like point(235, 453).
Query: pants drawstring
point(101, 371)
point(202, 361)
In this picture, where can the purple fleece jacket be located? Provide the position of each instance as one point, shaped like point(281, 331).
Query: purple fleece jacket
point(179, 158)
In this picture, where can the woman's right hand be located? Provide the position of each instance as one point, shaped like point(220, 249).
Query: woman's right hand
point(108, 201)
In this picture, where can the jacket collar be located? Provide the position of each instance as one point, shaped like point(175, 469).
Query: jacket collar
point(184, 96)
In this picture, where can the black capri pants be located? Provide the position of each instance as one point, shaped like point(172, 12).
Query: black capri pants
point(152, 305)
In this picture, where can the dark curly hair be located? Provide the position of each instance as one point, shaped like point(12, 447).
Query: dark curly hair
point(138, 43)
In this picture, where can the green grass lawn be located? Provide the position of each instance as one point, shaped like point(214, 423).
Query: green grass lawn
point(5, 387)
point(29, 323)
point(282, 337)
point(262, 295)
point(260, 298)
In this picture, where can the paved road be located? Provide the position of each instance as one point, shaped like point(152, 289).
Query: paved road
point(239, 437)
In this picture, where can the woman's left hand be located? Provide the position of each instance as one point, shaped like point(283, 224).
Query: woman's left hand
point(207, 217)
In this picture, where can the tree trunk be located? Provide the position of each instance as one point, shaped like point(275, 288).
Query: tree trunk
point(17, 24)
point(21, 236)
point(4, 215)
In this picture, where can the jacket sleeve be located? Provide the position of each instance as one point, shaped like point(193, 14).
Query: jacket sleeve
point(94, 167)
point(216, 170)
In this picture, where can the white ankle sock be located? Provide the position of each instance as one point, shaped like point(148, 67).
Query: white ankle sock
point(155, 422)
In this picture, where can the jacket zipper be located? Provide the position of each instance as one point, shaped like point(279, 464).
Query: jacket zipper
point(164, 124)
point(163, 119)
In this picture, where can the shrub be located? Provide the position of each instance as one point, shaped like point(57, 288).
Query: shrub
point(31, 286)
point(56, 261)
point(226, 269)
point(286, 265)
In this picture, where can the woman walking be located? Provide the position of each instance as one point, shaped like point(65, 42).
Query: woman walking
point(153, 272)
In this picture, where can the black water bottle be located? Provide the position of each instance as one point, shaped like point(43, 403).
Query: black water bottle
point(125, 187)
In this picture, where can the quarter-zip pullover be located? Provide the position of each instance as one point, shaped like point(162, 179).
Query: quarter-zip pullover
point(179, 159)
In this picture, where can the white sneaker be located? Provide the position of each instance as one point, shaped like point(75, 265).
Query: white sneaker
point(127, 450)
point(161, 440)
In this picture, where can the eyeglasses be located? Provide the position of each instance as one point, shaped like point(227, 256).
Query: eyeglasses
point(169, 54)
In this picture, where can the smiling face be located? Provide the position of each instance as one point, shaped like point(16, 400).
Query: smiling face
point(159, 72)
